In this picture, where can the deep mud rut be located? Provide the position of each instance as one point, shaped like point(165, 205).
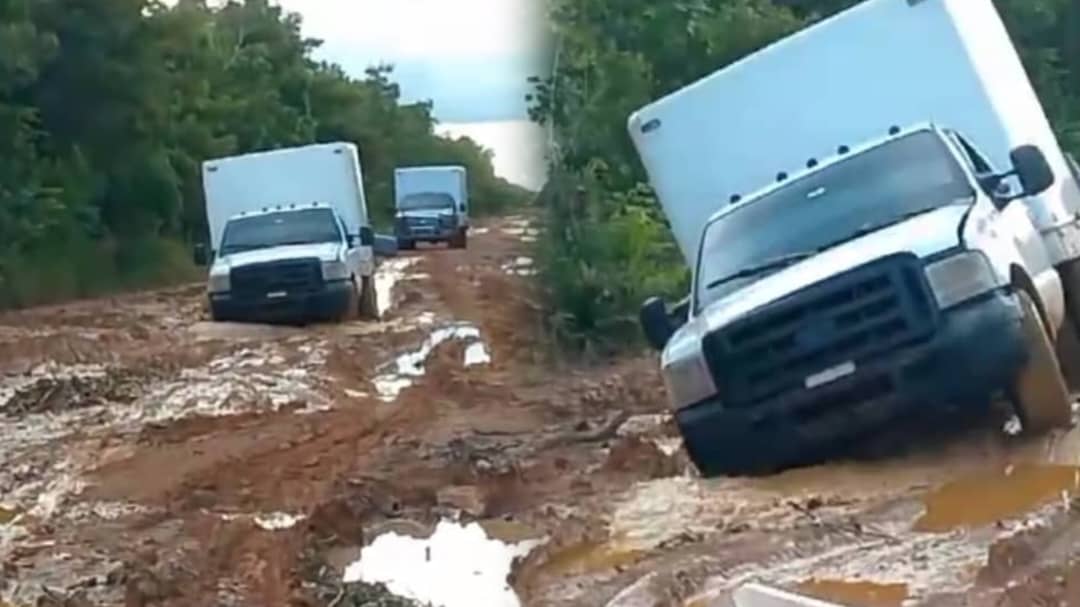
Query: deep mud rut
point(151, 458)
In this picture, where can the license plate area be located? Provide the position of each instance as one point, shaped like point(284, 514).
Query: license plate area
point(830, 375)
point(277, 294)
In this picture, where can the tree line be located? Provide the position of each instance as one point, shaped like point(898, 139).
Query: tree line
point(108, 108)
point(607, 246)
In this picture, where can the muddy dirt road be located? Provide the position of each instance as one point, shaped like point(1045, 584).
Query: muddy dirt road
point(152, 458)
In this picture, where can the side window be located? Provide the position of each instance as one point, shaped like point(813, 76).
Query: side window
point(981, 166)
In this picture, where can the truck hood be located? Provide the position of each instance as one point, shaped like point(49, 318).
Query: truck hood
point(326, 251)
point(923, 235)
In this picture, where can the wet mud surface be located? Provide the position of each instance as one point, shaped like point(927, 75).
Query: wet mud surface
point(153, 458)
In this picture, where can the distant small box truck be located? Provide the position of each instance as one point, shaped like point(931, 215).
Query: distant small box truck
point(289, 236)
point(432, 205)
point(880, 221)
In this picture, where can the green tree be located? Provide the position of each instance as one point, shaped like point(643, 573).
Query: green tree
point(108, 108)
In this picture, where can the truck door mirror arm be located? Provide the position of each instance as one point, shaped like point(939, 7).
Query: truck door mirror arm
point(366, 237)
point(199, 255)
point(1031, 168)
point(659, 324)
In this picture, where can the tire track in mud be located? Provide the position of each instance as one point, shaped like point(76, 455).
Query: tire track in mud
point(235, 465)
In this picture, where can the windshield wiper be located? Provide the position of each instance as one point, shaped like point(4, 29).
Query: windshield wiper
point(772, 264)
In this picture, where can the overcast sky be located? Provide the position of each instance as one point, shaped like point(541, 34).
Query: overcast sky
point(471, 57)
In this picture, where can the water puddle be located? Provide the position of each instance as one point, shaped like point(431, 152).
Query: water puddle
point(477, 354)
point(277, 521)
point(259, 379)
point(456, 566)
point(589, 558)
point(521, 266)
point(409, 366)
point(856, 594)
point(523, 229)
point(7, 515)
point(388, 274)
point(997, 495)
point(270, 521)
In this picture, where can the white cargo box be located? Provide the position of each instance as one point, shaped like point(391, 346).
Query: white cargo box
point(324, 173)
point(840, 82)
point(427, 179)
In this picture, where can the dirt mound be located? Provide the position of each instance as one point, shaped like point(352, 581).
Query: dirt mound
point(57, 394)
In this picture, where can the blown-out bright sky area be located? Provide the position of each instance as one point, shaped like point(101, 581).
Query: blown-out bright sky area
point(470, 57)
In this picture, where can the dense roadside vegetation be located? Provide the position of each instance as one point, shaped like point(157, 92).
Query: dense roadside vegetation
point(108, 107)
point(607, 246)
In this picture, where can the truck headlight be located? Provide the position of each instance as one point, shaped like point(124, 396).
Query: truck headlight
point(960, 278)
point(688, 380)
point(219, 283)
point(335, 270)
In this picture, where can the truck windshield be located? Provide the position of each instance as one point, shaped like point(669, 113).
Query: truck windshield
point(308, 226)
point(426, 201)
point(870, 190)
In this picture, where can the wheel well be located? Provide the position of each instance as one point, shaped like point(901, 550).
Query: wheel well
point(1020, 279)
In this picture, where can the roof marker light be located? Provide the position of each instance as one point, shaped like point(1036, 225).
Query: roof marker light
point(843, 149)
point(894, 130)
point(781, 176)
point(811, 163)
point(735, 198)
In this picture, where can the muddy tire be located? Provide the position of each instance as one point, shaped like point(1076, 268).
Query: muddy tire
point(1068, 347)
point(406, 245)
point(369, 299)
point(1039, 393)
point(1068, 353)
point(352, 305)
point(460, 240)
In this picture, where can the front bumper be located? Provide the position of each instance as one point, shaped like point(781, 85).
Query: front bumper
point(976, 352)
point(326, 304)
point(425, 232)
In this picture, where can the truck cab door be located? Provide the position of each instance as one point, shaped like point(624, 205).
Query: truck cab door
point(1008, 235)
point(360, 251)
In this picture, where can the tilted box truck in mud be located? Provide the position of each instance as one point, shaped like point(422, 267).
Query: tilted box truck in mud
point(432, 205)
point(879, 222)
point(290, 238)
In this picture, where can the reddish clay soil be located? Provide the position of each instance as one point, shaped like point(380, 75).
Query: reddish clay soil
point(142, 444)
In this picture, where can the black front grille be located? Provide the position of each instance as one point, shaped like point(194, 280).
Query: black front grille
point(853, 317)
point(291, 277)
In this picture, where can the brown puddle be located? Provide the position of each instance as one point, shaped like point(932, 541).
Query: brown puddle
point(580, 559)
point(856, 594)
point(6, 516)
point(509, 532)
point(987, 498)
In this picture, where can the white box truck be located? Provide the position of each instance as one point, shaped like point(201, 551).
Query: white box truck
point(879, 221)
point(289, 236)
point(432, 205)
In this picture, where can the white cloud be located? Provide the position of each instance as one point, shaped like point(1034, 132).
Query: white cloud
point(518, 146)
point(400, 30)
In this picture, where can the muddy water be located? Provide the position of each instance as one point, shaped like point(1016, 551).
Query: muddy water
point(856, 594)
point(590, 557)
point(1004, 493)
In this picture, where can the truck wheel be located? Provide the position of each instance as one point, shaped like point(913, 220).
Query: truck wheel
point(1039, 394)
point(1069, 337)
point(406, 245)
point(460, 240)
point(369, 299)
point(352, 304)
point(1068, 354)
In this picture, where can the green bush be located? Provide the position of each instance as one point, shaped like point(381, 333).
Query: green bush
point(108, 108)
